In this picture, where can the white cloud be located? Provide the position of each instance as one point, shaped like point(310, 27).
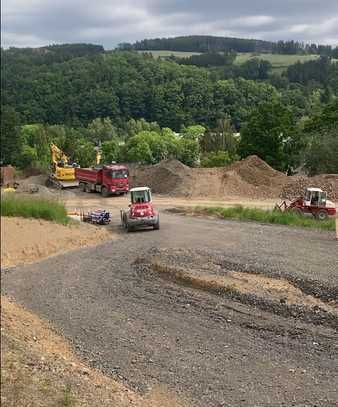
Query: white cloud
point(37, 22)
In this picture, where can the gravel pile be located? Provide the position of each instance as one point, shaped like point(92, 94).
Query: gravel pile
point(297, 185)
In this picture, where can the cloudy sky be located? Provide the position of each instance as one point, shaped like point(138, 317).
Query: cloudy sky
point(109, 22)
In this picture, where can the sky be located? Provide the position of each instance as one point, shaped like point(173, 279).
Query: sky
point(32, 23)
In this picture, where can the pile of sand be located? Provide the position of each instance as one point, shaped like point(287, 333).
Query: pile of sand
point(167, 177)
point(28, 240)
point(251, 177)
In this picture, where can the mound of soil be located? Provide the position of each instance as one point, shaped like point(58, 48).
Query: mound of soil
point(167, 177)
point(252, 178)
point(257, 172)
point(28, 240)
point(296, 186)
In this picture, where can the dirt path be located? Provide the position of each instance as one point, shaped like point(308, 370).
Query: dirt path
point(214, 349)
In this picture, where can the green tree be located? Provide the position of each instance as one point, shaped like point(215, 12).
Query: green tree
point(11, 143)
point(321, 154)
point(217, 159)
point(189, 152)
point(110, 151)
point(195, 132)
point(270, 133)
point(85, 153)
point(101, 130)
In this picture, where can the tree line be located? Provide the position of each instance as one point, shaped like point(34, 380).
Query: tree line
point(209, 43)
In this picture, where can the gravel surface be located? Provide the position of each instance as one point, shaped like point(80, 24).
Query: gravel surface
point(216, 351)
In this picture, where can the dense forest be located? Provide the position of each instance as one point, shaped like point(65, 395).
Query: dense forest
point(209, 43)
point(138, 108)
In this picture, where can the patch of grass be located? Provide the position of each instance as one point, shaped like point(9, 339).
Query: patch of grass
point(168, 53)
point(277, 60)
point(266, 216)
point(29, 207)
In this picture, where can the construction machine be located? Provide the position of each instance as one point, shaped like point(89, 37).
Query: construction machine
point(141, 212)
point(62, 173)
point(314, 202)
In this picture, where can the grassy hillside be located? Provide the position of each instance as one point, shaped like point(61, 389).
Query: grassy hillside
point(278, 61)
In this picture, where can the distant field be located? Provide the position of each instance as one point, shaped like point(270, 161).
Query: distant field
point(178, 54)
point(278, 61)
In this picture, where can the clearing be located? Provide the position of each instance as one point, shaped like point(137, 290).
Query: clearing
point(270, 340)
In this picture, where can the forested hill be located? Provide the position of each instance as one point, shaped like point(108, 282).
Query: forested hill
point(124, 85)
point(209, 43)
point(134, 104)
point(50, 53)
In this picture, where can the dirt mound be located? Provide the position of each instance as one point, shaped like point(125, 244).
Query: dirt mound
point(257, 172)
point(27, 240)
point(167, 177)
point(251, 177)
point(296, 186)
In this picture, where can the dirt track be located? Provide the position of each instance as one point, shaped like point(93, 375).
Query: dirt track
point(215, 349)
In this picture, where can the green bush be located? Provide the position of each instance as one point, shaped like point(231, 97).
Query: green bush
point(29, 207)
point(217, 159)
point(266, 216)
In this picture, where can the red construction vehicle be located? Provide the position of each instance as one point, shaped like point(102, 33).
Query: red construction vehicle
point(140, 212)
point(106, 179)
point(313, 202)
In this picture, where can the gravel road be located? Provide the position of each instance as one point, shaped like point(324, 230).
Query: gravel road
point(210, 349)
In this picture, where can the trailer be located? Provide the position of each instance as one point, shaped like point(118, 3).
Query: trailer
point(107, 179)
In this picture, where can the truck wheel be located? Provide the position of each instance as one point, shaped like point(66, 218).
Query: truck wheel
point(157, 225)
point(87, 188)
point(321, 214)
point(82, 186)
point(129, 228)
point(104, 192)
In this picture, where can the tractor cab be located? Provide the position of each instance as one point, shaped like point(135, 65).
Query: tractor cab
point(315, 197)
point(140, 195)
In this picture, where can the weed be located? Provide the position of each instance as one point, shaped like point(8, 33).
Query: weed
point(29, 207)
point(267, 216)
point(67, 399)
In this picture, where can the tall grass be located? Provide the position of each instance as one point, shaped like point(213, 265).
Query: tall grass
point(30, 207)
point(266, 216)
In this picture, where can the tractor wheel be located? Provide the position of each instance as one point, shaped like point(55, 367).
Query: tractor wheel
point(104, 192)
point(321, 214)
point(296, 211)
point(157, 225)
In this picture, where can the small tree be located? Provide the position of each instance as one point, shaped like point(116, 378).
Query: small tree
point(217, 159)
point(85, 153)
point(110, 151)
point(270, 133)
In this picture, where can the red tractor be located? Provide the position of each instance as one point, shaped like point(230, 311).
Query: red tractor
point(314, 202)
point(140, 212)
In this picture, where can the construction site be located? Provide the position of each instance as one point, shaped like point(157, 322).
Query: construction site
point(200, 312)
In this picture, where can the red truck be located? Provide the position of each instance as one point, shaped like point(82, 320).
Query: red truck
point(106, 179)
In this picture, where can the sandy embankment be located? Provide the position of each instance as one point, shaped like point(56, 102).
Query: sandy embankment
point(28, 240)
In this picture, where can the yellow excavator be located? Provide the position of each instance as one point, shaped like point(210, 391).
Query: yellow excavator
point(62, 174)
